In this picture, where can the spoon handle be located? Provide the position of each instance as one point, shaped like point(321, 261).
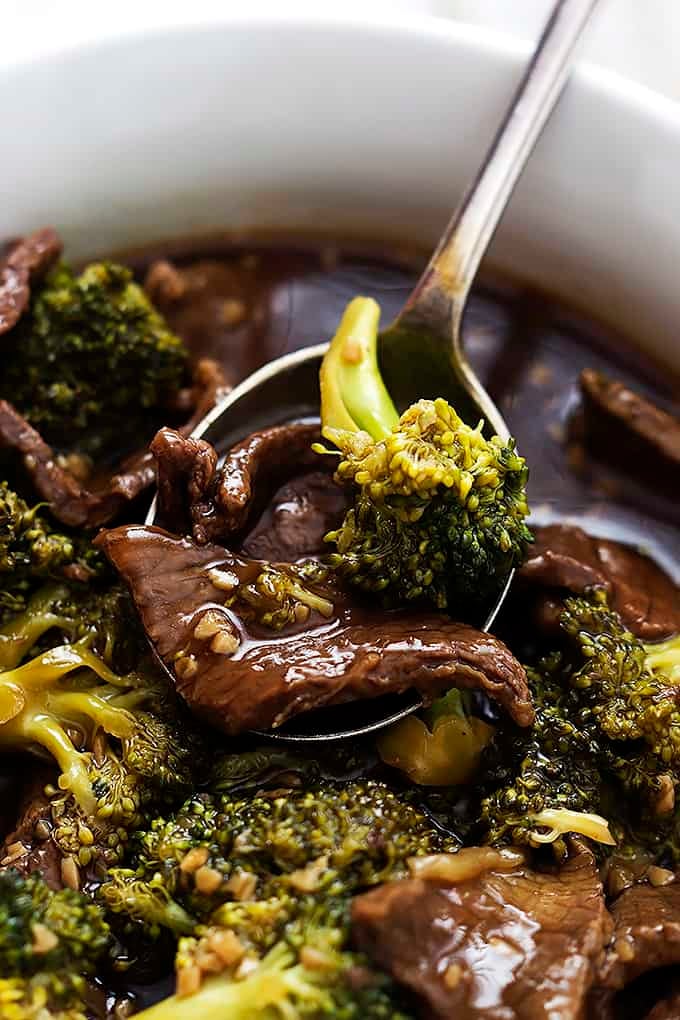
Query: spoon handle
point(456, 259)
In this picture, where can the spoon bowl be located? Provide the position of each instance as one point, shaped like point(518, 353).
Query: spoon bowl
point(287, 390)
point(427, 333)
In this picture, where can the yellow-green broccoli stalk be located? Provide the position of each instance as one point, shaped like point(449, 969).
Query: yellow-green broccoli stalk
point(117, 741)
point(442, 748)
point(439, 509)
point(281, 987)
point(40, 707)
point(663, 659)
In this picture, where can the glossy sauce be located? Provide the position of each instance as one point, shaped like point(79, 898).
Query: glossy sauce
point(246, 303)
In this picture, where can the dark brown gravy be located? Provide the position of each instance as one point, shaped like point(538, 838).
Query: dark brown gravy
point(246, 303)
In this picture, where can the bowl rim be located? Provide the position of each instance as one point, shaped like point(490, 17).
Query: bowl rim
point(613, 85)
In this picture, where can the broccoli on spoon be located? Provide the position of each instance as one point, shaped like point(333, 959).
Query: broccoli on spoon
point(438, 508)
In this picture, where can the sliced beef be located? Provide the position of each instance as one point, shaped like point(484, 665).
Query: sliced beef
point(256, 466)
point(185, 469)
point(94, 501)
point(564, 557)
point(218, 504)
point(646, 933)
point(626, 429)
point(26, 260)
point(519, 945)
point(298, 516)
point(70, 500)
point(264, 678)
point(28, 847)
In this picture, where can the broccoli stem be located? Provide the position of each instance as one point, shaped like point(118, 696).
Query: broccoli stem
point(36, 710)
point(309, 598)
point(73, 764)
point(269, 992)
point(664, 658)
point(45, 669)
point(20, 633)
point(353, 395)
point(74, 704)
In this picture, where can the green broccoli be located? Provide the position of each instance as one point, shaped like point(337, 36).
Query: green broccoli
point(247, 882)
point(327, 840)
point(40, 615)
point(92, 363)
point(146, 769)
point(552, 767)
point(77, 682)
point(62, 692)
point(627, 699)
point(102, 616)
point(146, 901)
point(276, 596)
point(438, 509)
point(31, 552)
point(605, 732)
point(117, 741)
point(51, 943)
point(289, 985)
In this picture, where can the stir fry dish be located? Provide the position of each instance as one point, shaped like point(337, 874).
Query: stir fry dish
point(510, 849)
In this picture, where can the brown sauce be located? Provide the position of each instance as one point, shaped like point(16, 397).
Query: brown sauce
point(246, 303)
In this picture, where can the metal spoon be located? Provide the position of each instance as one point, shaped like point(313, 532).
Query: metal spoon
point(421, 353)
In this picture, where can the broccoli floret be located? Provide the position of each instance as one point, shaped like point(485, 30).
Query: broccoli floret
point(28, 545)
point(266, 878)
point(254, 863)
point(117, 742)
point(146, 901)
point(605, 733)
point(31, 551)
point(553, 767)
point(627, 700)
point(278, 596)
point(101, 616)
point(438, 509)
point(92, 363)
point(140, 773)
point(282, 987)
point(77, 683)
point(50, 944)
point(62, 692)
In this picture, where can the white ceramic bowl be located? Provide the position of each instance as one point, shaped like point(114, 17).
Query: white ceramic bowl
point(372, 127)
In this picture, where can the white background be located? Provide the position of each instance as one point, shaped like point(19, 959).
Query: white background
point(638, 38)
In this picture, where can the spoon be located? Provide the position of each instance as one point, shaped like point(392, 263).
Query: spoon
point(426, 333)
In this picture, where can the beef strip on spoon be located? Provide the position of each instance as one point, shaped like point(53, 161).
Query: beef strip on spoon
point(238, 675)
